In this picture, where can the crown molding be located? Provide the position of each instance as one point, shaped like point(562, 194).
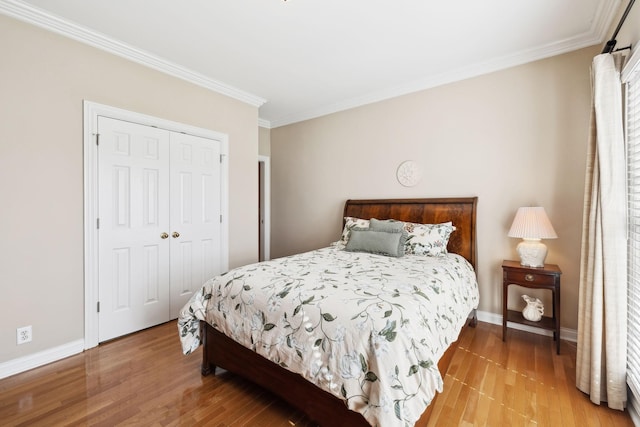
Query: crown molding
point(596, 34)
point(464, 73)
point(264, 123)
point(35, 16)
point(606, 14)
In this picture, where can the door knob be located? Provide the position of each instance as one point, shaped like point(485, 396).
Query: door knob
point(175, 234)
point(164, 235)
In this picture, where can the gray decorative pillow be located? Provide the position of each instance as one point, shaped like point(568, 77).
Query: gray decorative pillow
point(390, 243)
point(386, 225)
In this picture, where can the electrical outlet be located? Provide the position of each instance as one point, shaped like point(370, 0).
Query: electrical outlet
point(24, 335)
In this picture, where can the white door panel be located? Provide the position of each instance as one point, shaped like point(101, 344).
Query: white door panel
point(133, 205)
point(195, 215)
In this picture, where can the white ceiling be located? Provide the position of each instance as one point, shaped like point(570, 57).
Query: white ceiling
point(299, 59)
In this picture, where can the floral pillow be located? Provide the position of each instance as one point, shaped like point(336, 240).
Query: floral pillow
point(428, 239)
point(349, 223)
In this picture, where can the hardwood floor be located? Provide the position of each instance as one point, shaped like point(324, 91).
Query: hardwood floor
point(143, 379)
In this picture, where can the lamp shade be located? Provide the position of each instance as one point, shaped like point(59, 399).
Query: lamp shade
point(532, 223)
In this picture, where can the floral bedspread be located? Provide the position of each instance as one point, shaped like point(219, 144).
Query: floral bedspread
point(367, 328)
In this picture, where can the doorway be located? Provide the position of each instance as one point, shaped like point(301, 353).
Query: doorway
point(264, 208)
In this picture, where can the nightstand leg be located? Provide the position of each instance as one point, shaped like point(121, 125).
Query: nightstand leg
point(556, 314)
point(505, 291)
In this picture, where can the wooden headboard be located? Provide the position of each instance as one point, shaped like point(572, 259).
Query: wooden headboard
point(460, 211)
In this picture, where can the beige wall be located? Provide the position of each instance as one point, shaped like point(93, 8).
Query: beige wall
point(513, 138)
point(264, 141)
point(44, 79)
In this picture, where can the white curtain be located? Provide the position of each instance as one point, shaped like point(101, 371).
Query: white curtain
point(602, 312)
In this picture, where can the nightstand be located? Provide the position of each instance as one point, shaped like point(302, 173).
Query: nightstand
point(547, 277)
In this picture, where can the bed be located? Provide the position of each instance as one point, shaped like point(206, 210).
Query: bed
point(295, 350)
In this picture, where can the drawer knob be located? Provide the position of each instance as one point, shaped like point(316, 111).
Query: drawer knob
point(529, 277)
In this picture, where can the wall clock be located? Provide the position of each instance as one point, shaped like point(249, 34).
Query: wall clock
point(408, 173)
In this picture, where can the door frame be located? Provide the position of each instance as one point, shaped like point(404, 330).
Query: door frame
point(266, 206)
point(91, 111)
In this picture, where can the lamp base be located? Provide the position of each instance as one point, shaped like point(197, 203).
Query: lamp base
point(532, 252)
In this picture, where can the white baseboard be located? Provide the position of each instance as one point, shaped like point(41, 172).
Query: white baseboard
point(22, 364)
point(496, 319)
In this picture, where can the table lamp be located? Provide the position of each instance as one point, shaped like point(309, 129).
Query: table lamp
point(532, 224)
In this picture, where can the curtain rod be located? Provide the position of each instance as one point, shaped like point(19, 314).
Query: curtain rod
point(608, 48)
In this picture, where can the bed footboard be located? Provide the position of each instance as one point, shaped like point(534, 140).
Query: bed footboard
point(320, 406)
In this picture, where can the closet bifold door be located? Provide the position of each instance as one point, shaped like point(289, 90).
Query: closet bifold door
point(134, 258)
point(195, 215)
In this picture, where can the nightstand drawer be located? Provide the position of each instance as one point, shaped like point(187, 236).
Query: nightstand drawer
point(529, 277)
